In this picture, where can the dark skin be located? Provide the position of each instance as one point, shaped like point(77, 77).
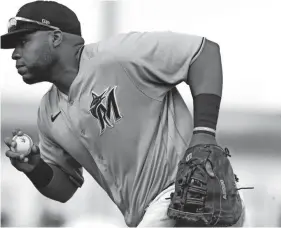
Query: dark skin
point(19, 161)
point(56, 61)
point(205, 76)
point(50, 56)
point(207, 79)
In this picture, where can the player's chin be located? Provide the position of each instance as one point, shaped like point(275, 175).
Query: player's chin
point(29, 79)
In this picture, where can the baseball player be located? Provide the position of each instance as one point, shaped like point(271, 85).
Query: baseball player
point(113, 109)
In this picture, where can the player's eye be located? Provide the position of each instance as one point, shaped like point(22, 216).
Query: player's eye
point(22, 42)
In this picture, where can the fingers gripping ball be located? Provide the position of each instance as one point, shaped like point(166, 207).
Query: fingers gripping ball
point(24, 144)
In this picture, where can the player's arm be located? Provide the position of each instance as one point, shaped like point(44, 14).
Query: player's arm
point(48, 178)
point(159, 61)
point(65, 174)
point(205, 80)
point(162, 60)
point(52, 182)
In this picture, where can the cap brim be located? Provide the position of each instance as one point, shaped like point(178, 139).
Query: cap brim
point(10, 39)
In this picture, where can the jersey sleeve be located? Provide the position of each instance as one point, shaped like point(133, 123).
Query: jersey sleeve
point(155, 61)
point(51, 153)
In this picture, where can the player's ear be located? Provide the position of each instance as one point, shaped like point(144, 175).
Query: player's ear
point(57, 38)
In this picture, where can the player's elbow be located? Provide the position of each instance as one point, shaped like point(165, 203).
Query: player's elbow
point(59, 196)
point(64, 200)
point(61, 188)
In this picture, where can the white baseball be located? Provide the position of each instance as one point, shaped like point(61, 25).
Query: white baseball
point(24, 144)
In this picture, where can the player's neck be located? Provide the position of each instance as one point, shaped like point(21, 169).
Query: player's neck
point(64, 79)
point(65, 72)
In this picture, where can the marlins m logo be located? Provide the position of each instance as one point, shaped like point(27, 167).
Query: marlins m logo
point(105, 109)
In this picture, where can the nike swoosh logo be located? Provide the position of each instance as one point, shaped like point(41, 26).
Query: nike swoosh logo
point(55, 116)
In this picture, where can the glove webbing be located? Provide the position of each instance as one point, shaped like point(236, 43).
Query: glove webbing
point(194, 185)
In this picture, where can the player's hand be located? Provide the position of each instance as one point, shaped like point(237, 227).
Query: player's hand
point(202, 138)
point(19, 161)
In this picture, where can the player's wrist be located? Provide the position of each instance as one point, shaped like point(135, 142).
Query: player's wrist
point(204, 130)
point(206, 110)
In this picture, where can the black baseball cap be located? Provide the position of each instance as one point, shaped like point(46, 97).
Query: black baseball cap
point(40, 15)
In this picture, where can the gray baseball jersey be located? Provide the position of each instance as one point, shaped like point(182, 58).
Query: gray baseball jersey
point(123, 120)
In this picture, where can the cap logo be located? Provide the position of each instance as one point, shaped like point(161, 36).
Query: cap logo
point(44, 21)
point(13, 22)
point(188, 157)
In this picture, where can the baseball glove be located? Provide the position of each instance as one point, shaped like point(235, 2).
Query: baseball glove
point(205, 189)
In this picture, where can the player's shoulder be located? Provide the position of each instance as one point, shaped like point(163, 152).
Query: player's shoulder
point(112, 44)
point(93, 58)
point(105, 63)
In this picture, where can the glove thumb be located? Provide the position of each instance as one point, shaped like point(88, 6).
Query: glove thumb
point(209, 169)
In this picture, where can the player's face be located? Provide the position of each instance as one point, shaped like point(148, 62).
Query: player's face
point(34, 58)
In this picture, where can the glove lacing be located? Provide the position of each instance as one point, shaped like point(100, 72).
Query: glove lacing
point(194, 185)
point(199, 189)
point(235, 176)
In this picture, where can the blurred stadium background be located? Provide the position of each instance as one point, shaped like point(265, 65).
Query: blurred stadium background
point(249, 123)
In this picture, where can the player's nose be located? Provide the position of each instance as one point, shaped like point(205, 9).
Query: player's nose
point(16, 54)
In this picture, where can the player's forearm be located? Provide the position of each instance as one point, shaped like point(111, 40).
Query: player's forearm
point(52, 182)
point(205, 81)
